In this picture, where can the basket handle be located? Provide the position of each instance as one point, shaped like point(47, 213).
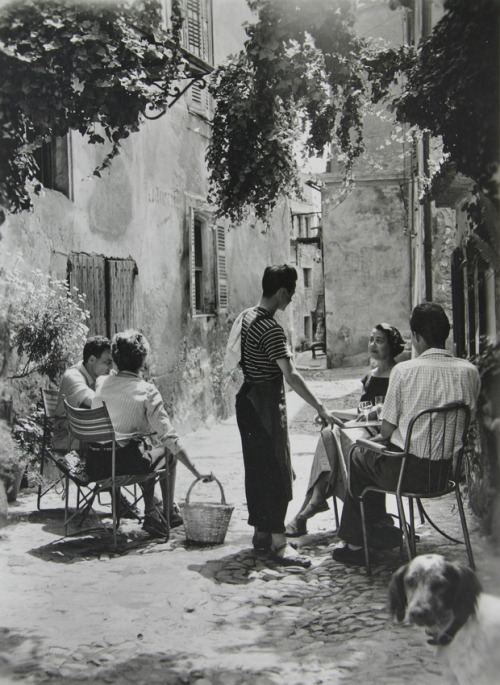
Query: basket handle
point(197, 480)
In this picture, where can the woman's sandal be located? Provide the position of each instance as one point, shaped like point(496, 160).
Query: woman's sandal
point(289, 559)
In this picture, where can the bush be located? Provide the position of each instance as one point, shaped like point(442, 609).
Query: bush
point(44, 322)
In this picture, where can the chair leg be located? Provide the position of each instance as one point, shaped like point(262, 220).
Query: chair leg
point(114, 504)
point(66, 504)
point(404, 527)
point(365, 538)
point(465, 530)
point(336, 512)
point(412, 526)
point(165, 492)
point(420, 511)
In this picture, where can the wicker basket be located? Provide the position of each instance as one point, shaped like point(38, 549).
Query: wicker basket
point(206, 521)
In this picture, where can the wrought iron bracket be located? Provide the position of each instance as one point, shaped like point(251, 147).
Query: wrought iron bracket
point(175, 94)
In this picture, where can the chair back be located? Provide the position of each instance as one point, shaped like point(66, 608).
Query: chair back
point(439, 433)
point(90, 425)
point(49, 399)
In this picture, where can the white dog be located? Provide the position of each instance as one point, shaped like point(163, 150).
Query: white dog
point(461, 620)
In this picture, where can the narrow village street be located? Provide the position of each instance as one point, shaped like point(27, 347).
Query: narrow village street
point(72, 611)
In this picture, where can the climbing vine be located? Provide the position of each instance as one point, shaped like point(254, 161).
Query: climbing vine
point(297, 78)
point(94, 67)
point(304, 74)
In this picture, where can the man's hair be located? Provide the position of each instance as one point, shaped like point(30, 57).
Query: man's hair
point(279, 276)
point(429, 320)
point(129, 350)
point(95, 346)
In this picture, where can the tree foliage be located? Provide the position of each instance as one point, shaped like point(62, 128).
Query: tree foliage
point(303, 68)
point(298, 75)
point(451, 88)
point(93, 66)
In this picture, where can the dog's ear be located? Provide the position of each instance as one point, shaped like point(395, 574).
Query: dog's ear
point(397, 594)
point(467, 589)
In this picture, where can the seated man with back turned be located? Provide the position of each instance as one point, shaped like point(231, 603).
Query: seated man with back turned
point(435, 378)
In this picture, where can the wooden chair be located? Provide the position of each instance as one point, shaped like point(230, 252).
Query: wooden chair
point(446, 431)
point(94, 425)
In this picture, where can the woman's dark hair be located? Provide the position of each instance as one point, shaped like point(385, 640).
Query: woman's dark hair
point(395, 340)
point(429, 320)
point(279, 276)
point(95, 346)
point(129, 350)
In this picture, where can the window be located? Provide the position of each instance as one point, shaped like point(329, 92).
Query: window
point(109, 288)
point(52, 159)
point(197, 28)
point(307, 277)
point(307, 328)
point(208, 266)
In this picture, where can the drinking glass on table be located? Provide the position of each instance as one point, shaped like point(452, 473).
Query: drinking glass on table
point(365, 408)
point(379, 403)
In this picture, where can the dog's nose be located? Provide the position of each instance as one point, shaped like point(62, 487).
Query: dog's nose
point(421, 616)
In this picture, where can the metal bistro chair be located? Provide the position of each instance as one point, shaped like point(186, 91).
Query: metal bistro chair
point(446, 428)
point(49, 400)
point(94, 425)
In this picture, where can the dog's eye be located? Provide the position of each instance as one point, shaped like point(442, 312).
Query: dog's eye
point(410, 581)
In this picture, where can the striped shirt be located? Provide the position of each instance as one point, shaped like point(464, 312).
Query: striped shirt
point(433, 379)
point(136, 408)
point(263, 342)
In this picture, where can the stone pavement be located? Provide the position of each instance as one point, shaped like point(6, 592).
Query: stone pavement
point(174, 612)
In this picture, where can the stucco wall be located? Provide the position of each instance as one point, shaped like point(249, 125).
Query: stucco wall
point(367, 270)
point(139, 209)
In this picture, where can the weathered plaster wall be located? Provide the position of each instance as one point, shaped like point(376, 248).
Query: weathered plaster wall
point(139, 209)
point(367, 271)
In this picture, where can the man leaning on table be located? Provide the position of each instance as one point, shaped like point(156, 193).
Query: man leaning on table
point(434, 378)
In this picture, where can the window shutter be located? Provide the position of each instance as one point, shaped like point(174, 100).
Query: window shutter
point(121, 275)
point(220, 251)
point(192, 261)
point(87, 273)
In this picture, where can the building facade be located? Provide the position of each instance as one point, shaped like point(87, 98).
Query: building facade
point(143, 244)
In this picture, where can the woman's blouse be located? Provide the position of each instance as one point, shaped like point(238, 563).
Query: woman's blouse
point(135, 407)
point(373, 386)
point(263, 341)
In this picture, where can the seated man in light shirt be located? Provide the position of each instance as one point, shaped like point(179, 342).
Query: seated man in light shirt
point(78, 387)
point(433, 379)
point(136, 408)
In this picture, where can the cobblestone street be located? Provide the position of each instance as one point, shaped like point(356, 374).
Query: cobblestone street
point(72, 611)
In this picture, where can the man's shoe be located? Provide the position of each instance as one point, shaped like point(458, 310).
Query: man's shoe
point(385, 537)
point(154, 527)
point(262, 541)
point(175, 518)
point(348, 556)
point(296, 527)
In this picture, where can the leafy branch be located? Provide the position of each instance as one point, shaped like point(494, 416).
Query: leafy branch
point(94, 67)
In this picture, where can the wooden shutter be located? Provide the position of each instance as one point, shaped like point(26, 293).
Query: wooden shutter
point(220, 252)
point(121, 275)
point(87, 273)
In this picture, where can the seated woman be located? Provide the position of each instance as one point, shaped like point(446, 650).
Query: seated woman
point(136, 408)
point(328, 470)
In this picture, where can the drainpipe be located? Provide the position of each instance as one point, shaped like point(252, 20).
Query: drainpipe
point(427, 216)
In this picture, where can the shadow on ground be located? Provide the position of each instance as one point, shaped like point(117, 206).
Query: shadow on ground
point(91, 664)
